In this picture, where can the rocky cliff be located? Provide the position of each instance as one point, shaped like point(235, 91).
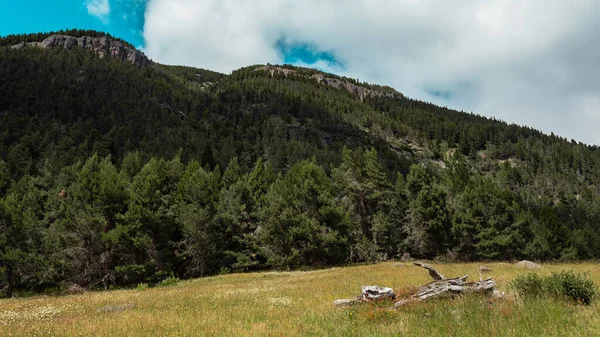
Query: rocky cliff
point(103, 46)
point(359, 91)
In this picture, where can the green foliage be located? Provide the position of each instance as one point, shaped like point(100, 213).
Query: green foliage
point(130, 274)
point(428, 226)
point(168, 282)
point(366, 195)
point(4, 178)
point(114, 175)
point(565, 285)
point(300, 223)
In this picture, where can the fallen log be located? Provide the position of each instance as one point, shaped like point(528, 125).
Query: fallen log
point(440, 287)
point(443, 287)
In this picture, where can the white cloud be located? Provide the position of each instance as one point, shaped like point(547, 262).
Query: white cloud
point(532, 62)
point(98, 8)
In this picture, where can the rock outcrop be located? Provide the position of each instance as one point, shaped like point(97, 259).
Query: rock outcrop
point(361, 92)
point(103, 46)
point(356, 90)
point(527, 265)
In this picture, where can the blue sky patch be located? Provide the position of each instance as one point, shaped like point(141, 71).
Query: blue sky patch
point(438, 93)
point(305, 53)
point(125, 19)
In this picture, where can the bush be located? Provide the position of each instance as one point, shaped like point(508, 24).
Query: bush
point(171, 281)
point(565, 285)
point(574, 287)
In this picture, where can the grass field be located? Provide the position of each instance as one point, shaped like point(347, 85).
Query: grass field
point(300, 304)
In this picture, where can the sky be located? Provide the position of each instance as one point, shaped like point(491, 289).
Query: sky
point(530, 62)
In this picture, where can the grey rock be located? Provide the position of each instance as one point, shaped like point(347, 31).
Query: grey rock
point(527, 265)
point(103, 46)
point(358, 91)
point(18, 46)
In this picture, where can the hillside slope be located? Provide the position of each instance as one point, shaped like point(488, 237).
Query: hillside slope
point(164, 170)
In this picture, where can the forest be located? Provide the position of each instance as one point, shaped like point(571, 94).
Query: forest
point(111, 175)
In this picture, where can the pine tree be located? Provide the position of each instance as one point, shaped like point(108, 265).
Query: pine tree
point(428, 225)
point(300, 224)
point(21, 234)
point(366, 194)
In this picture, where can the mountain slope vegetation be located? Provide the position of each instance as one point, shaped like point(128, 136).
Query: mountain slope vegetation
point(113, 174)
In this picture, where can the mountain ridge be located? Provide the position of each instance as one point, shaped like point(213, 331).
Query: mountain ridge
point(105, 44)
point(102, 46)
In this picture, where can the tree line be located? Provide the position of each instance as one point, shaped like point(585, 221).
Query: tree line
point(99, 225)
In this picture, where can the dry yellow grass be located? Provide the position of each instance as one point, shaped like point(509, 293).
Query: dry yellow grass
point(300, 304)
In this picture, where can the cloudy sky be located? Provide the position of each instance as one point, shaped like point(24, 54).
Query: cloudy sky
point(531, 62)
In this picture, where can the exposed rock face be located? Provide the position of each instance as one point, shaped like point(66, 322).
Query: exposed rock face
point(102, 46)
point(273, 69)
point(354, 89)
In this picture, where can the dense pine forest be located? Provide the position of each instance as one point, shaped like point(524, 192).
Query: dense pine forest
point(114, 175)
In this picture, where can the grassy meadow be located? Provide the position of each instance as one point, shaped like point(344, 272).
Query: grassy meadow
point(300, 304)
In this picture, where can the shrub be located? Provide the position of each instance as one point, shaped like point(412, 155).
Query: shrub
point(528, 285)
point(575, 287)
point(565, 285)
point(142, 286)
point(171, 281)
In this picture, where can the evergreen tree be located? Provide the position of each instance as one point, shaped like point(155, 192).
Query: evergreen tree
point(21, 235)
point(300, 224)
point(366, 193)
point(201, 242)
point(428, 225)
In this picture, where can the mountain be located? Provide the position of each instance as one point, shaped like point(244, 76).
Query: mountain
point(117, 170)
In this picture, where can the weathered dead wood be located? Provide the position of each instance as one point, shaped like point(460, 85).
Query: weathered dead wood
point(369, 293)
point(440, 287)
point(436, 275)
point(452, 287)
point(483, 270)
point(373, 293)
